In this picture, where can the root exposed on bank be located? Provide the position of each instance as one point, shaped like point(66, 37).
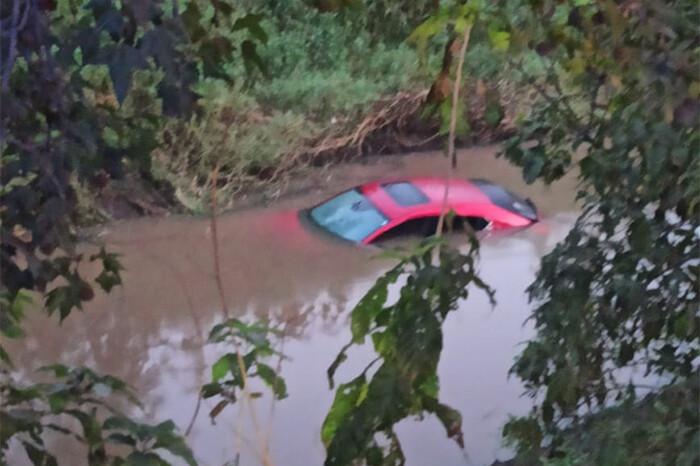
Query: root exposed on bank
point(394, 125)
point(395, 118)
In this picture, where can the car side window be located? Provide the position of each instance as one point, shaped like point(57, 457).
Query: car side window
point(415, 228)
point(425, 227)
point(476, 223)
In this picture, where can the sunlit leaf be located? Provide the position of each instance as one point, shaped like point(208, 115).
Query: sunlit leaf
point(500, 40)
point(221, 367)
point(346, 398)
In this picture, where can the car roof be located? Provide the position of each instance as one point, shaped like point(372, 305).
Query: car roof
point(462, 193)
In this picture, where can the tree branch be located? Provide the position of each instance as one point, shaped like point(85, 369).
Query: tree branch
point(453, 128)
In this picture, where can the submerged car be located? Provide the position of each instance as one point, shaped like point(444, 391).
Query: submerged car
point(386, 209)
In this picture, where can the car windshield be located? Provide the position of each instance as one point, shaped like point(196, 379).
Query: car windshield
point(349, 215)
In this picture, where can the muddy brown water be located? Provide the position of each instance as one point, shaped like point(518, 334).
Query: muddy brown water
point(150, 331)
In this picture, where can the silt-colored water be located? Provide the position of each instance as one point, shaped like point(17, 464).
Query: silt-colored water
point(151, 331)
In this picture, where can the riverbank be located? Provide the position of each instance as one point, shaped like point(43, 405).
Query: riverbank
point(392, 126)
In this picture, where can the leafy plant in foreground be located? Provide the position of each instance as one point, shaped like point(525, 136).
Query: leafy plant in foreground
point(231, 372)
point(57, 129)
point(407, 336)
point(657, 429)
point(616, 302)
point(109, 436)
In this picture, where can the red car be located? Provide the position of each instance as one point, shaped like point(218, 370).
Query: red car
point(379, 210)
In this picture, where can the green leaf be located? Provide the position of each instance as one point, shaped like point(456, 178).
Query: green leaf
point(494, 113)
point(640, 235)
point(121, 423)
point(272, 380)
point(367, 309)
point(58, 401)
point(500, 40)
point(461, 25)
point(92, 431)
point(576, 66)
point(251, 22)
point(10, 330)
point(346, 398)
point(112, 22)
point(626, 353)
point(451, 419)
point(587, 166)
point(251, 57)
point(62, 299)
point(123, 61)
point(173, 443)
point(431, 26)
point(221, 367)
point(121, 439)
point(39, 457)
point(561, 14)
point(339, 359)
point(445, 116)
point(656, 157)
point(430, 386)
point(59, 370)
point(214, 52)
point(108, 280)
point(384, 343)
point(17, 421)
point(191, 20)
point(4, 357)
point(137, 458)
point(220, 6)
point(524, 430)
point(532, 168)
point(211, 389)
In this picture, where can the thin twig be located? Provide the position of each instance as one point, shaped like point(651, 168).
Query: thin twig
point(14, 30)
point(220, 286)
point(198, 328)
point(453, 128)
point(278, 369)
point(215, 241)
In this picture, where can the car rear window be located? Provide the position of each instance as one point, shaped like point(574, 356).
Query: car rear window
point(405, 194)
point(507, 200)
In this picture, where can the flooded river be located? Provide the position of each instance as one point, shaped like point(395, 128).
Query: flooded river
point(150, 331)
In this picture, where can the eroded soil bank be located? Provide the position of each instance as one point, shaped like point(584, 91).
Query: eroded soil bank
point(393, 127)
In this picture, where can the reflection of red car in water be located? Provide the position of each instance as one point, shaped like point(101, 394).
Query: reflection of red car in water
point(378, 210)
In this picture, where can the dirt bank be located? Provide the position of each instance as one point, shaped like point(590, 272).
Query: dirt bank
point(396, 125)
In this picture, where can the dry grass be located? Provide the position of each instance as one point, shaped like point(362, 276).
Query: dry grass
point(263, 153)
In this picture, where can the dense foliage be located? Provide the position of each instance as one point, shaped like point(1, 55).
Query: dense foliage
point(92, 90)
point(231, 372)
point(616, 311)
point(406, 334)
point(58, 127)
point(109, 435)
point(616, 301)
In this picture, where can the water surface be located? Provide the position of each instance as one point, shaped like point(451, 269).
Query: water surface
point(150, 331)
